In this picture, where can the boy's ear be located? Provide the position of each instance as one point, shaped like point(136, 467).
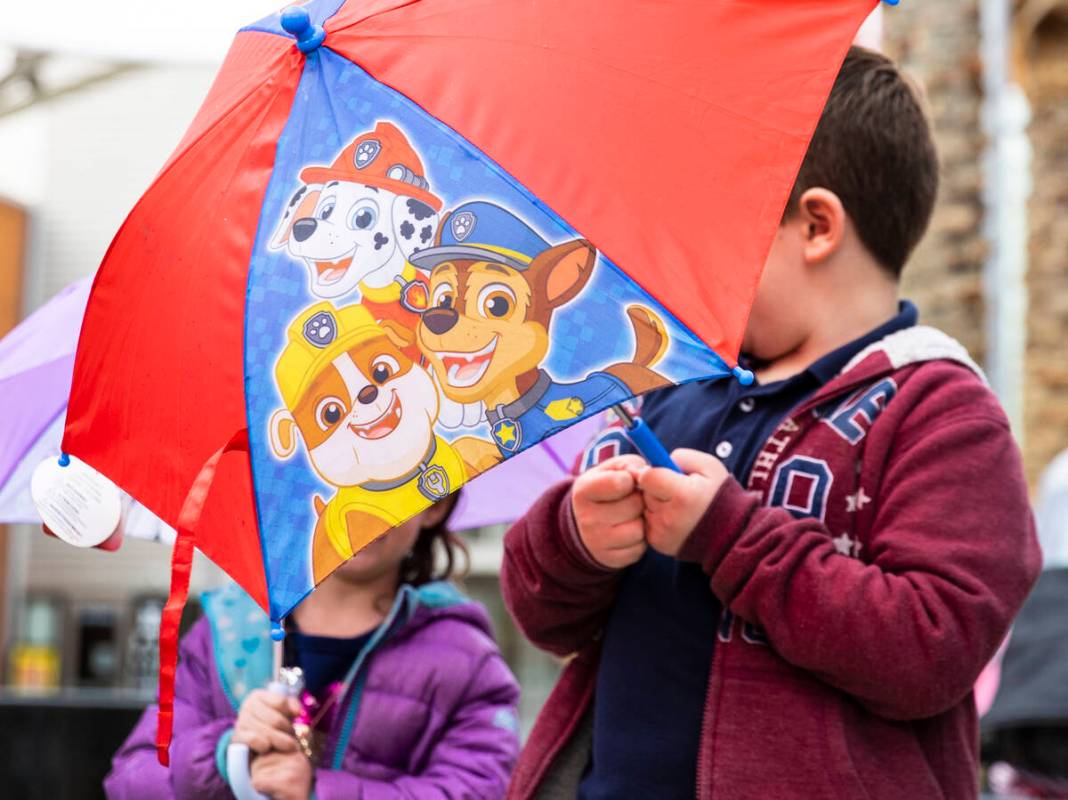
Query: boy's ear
point(283, 433)
point(400, 336)
point(824, 223)
point(561, 272)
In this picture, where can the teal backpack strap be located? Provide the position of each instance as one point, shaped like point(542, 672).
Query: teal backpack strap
point(241, 641)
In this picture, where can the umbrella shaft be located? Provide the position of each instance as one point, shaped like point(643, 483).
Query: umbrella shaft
point(644, 440)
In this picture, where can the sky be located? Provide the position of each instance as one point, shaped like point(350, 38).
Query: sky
point(175, 31)
point(189, 31)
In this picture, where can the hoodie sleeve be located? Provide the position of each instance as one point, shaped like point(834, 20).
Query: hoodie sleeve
point(950, 558)
point(136, 774)
point(474, 758)
point(558, 595)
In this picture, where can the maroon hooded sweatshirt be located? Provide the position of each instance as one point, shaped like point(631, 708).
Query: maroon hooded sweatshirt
point(850, 642)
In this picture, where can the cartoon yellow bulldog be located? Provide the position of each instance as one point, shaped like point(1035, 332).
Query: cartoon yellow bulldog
point(366, 413)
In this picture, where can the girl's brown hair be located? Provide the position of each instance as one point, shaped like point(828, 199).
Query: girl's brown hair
point(422, 565)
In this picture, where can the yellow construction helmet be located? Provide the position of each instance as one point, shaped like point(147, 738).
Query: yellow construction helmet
point(317, 336)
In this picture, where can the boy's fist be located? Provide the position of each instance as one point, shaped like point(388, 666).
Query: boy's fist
point(608, 511)
point(675, 503)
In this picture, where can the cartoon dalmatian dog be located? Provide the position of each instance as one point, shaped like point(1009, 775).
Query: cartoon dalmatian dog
point(366, 413)
point(356, 223)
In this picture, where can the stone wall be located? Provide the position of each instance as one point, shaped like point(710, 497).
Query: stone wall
point(1043, 66)
point(937, 42)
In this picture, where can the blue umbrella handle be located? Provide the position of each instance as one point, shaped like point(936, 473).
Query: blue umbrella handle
point(645, 441)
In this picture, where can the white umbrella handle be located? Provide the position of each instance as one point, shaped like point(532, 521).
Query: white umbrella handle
point(290, 684)
point(237, 772)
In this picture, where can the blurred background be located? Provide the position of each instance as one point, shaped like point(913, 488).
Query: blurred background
point(89, 110)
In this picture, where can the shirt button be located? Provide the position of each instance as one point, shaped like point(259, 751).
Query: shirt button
point(724, 449)
point(747, 404)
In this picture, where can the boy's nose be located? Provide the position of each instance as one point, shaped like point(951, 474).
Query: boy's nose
point(303, 228)
point(367, 395)
point(440, 320)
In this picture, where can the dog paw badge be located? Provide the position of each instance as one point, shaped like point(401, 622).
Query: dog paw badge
point(434, 483)
point(366, 152)
point(321, 329)
point(462, 225)
point(507, 433)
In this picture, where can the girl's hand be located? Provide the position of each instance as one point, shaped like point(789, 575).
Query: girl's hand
point(265, 723)
point(283, 776)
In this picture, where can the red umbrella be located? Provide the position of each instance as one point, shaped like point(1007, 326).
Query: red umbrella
point(507, 213)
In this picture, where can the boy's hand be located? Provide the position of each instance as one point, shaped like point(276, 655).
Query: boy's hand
point(283, 776)
point(265, 722)
point(675, 503)
point(608, 511)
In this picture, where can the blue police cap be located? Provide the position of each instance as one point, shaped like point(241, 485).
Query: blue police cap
point(485, 232)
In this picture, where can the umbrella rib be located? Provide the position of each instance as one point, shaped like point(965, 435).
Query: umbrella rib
point(555, 456)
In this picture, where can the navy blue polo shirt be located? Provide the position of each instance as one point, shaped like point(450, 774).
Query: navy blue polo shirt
point(659, 641)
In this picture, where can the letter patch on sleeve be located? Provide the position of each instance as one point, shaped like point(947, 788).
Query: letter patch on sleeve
point(801, 486)
point(854, 417)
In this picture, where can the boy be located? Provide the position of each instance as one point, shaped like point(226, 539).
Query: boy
point(803, 613)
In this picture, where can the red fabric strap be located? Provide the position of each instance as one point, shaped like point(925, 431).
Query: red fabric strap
point(181, 566)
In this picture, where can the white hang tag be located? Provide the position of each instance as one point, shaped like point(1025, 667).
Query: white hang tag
point(76, 503)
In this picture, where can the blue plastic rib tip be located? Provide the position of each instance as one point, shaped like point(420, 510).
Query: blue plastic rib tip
point(744, 376)
point(891, 2)
point(64, 460)
point(278, 633)
point(296, 22)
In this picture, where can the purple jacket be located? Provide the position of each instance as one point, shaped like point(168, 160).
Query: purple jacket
point(430, 713)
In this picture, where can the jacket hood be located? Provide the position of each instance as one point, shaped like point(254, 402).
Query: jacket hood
point(240, 629)
point(915, 345)
point(433, 602)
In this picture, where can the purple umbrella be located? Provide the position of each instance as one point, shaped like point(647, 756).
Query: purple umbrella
point(36, 364)
point(503, 493)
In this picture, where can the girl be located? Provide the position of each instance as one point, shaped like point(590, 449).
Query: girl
point(406, 694)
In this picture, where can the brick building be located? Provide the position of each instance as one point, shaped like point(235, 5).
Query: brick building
point(942, 43)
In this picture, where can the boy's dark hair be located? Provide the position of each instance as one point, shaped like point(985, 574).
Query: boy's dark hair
point(422, 565)
point(873, 148)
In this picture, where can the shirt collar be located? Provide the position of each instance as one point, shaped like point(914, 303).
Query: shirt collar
point(826, 368)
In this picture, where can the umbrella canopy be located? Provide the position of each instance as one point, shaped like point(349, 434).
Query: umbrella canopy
point(667, 135)
point(424, 238)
